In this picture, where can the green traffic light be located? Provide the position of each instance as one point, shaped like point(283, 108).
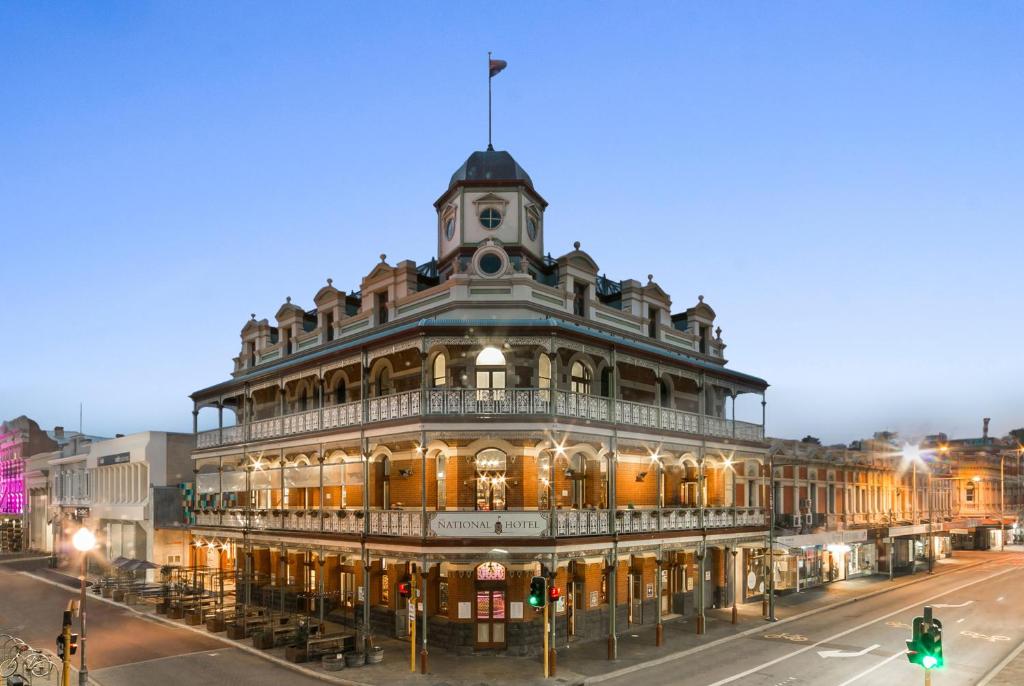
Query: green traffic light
point(928, 662)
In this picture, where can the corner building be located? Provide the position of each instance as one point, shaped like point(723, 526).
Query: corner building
point(475, 420)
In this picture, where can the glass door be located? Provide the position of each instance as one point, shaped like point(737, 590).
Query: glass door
point(490, 619)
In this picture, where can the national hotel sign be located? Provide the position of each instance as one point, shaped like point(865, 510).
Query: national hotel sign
point(489, 524)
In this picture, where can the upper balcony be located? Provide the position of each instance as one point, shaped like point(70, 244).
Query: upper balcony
point(524, 403)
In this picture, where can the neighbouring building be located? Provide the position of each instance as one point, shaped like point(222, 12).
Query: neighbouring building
point(116, 487)
point(868, 508)
point(987, 486)
point(474, 420)
point(19, 438)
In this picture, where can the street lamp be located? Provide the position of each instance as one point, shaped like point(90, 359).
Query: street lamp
point(84, 540)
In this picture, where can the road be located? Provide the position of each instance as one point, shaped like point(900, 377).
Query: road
point(125, 649)
point(863, 643)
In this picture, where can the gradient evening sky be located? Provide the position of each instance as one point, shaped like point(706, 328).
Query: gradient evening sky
point(843, 182)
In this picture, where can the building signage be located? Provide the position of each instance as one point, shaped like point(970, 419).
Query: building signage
point(120, 458)
point(960, 532)
point(909, 530)
point(489, 524)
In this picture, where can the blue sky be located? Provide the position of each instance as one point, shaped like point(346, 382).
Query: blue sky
point(842, 182)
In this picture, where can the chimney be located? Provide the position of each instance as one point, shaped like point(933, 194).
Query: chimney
point(58, 432)
point(984, 429)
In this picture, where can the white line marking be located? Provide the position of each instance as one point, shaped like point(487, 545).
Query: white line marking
point(963, 604)
point(839, 653)
point(871, 669)
point(919, 603)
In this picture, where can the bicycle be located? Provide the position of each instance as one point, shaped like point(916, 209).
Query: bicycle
point(39, 664)
point(10, 665)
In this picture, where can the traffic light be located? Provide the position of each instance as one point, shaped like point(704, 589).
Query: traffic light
point(925, 647)
point(60, 646)
point(538, 591)
point(554, 593)
point(74, 643)
point(405, 588)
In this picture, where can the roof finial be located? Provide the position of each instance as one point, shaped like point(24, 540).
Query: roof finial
point(330, 281)
point(383, 257)
point(650, 278)
point(700, 298)
point(288, 300)
point(253, 315)
point(576, 245)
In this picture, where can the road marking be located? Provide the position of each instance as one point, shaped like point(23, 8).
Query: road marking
point(962, 619)
point(871, 669)
point(758, 668)
point(963, 604)
point(796, 638)
point(839, 653)
point(900, 625)
point(984, 637)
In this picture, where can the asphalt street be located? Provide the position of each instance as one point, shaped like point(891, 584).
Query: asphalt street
point(863, 643)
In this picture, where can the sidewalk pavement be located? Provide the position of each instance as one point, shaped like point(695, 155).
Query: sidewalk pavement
point(586, 662)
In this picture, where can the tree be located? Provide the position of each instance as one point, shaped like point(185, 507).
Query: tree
point(811, 439)
point(1018, 435)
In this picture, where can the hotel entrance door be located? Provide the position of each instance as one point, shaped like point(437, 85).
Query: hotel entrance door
point(490, 606)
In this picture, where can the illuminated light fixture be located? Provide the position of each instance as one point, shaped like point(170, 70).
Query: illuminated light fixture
point(84, 540)
point(641, 476)
point(976, 479)
point(490, 356)
point(911, 452)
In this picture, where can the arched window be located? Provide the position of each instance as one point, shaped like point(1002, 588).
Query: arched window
point(490, 479)
point(490, 369)
point(581, 378)
point(969, 492)
point(665, 395)
point(439, 371)
point(303, 401)
point(340, 392)
point(577, 473)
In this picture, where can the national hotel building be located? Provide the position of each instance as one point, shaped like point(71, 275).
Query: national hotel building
point(475, 420)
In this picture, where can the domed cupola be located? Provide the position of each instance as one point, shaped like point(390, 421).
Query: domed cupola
point(490, 165)
point(491, 199)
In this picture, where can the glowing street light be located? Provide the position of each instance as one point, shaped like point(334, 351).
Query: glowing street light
point(84, 540)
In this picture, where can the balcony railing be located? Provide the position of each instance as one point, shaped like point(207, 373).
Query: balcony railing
point(457, 402)
point(409, 523)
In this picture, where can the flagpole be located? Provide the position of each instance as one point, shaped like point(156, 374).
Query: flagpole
point(489, 146)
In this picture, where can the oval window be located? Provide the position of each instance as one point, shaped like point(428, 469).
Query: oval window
point(490, 264)
point(449, 228)
point(490, 218)
point(531, 229)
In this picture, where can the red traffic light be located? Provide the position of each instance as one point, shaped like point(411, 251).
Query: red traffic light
point(554, 593)
point(405, 589)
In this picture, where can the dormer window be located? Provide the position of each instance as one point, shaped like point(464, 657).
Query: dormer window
point(381, 305)
point(490, 218)
point(579, 299)
point(652, 322)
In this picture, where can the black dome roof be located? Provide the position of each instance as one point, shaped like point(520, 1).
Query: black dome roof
point(490, 165)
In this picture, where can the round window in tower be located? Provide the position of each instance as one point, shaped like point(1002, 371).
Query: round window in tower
point(449, 228)
point(491, 264)
point(531, 228)
point(490, 218)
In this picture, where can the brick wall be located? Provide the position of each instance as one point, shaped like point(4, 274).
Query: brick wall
point(630, 491)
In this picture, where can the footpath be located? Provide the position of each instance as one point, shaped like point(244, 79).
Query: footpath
point(584, 662)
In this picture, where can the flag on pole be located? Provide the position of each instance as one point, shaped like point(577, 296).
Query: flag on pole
point(497, 66)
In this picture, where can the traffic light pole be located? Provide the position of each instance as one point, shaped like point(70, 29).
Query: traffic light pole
point(412, 622)
point(545, 638)
point(65, 649)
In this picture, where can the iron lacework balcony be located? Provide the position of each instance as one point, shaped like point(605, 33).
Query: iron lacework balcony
point(482, 403)
point(411, 524)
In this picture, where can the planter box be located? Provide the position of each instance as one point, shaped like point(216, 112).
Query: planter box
point(215, 624)
point(107, 592)
point(194, 618)
point(263, 641)
point(118, 596)
point(376, 656)
point(236, 631)
point(354, 659)
point(176, 612)
point(295, 653)
point(162, 607)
